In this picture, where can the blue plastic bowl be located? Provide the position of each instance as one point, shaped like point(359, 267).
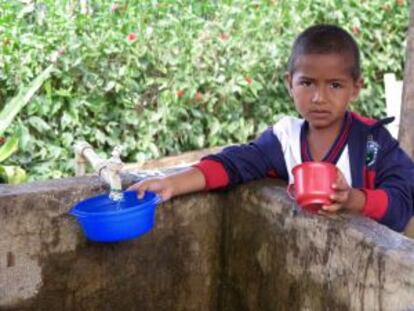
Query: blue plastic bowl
point(105, 220)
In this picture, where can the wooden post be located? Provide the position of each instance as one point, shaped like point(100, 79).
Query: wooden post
point(406, 131)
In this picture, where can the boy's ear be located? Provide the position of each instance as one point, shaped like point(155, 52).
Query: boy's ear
point(358, 85)
point(288, 82)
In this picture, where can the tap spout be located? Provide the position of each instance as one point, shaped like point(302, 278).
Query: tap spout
point(109, 170)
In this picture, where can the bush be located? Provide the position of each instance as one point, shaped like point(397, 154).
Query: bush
point(162, 77)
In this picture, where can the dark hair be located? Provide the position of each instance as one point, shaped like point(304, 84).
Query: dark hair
point(326, 39)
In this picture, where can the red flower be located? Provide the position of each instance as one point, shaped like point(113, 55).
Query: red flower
point(2, 140)
point(180, 93)
point(224, 36)
point(198, 97)
point(400, 2)
point(115, 7)
point(356, 30)
point(132, 37)
point(248, 79)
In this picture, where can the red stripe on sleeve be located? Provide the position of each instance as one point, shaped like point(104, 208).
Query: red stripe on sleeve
point(214, 173)
point(272, 174)
point(376, 203)
point(369, 178)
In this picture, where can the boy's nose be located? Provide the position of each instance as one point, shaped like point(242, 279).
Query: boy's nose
point(319, 96)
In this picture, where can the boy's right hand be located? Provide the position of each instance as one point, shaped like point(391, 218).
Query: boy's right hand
point(187, 181)
point(162, 186)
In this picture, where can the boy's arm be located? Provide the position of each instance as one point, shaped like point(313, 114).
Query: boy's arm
point(187, 181)
point(356, 200)
point(244, 163)
point(236, 164)
point(391, 200)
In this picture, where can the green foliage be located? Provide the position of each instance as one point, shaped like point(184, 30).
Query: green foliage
point(15, 174)
point(162, 77)
point(8, 148)
point(12, 174)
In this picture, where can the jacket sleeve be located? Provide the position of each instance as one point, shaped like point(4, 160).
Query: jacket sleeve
point(391, 200)
point(243, 163)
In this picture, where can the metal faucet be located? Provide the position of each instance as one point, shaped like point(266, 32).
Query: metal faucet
point(109, 170)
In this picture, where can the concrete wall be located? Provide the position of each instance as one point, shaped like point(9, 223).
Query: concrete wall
point(243, 249)
point(46, 264)
point(278, 258)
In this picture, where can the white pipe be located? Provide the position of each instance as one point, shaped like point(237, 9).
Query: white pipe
point(108, 170)
point(85, 153)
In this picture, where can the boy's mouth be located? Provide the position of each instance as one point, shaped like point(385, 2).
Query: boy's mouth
point(319, 113)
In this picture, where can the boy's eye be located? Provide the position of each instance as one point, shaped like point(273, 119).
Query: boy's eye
point(305, 83)
point(336, 85)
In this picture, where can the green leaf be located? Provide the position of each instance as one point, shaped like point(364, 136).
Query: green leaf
point(110, 85)
point(12, 174)
point(24, 136)
point(9, 148)
point(13, 107)
point(39, 124)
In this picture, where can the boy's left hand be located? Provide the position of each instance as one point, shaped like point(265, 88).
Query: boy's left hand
point(344, 197)
point(341, 195)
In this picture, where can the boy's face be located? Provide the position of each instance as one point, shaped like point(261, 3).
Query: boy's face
point(322, 88)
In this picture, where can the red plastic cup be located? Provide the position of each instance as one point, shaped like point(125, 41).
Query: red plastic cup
point(312, 185)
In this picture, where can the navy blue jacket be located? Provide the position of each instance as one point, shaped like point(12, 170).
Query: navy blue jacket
point(377, 165)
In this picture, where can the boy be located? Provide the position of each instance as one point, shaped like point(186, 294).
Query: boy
point(375, 177)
